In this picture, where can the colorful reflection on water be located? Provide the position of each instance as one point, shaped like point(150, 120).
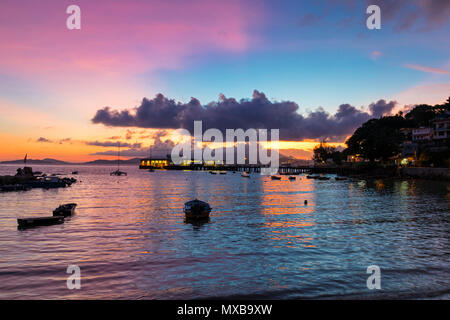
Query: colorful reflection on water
point(130, 239)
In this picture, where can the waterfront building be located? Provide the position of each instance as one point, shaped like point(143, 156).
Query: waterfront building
point(157, 163)
point(422, 134)
point(441, 128)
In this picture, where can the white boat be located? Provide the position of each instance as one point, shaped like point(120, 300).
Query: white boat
point(118, 172)
point(245, 175)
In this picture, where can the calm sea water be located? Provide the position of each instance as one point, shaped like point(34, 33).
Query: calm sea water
point(131, 242)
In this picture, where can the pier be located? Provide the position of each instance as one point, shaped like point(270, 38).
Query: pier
point(239, 168)
point(166, 164)
point(236, 168)
point(345, 170)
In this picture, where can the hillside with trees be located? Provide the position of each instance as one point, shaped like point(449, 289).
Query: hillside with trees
point(382, 139)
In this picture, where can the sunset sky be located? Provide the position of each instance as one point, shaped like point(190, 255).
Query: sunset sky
point(310, 68)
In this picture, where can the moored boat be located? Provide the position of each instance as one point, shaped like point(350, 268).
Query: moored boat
point(48, 182)
point(197, 209)
point(275, 177)
point(65, 210)
point(69, 181)
point(41, 221)
point(292, 178)
point(340, 178)
point(323, 178)
point(222, 172)
point(245, 175)
point(118, 173)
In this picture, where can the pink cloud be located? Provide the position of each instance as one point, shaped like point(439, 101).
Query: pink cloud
point(427, 69)
point(431, 93)
point(120, 36)
point(376, 54)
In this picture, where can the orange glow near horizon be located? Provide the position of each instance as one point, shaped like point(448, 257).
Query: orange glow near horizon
point(76, 150)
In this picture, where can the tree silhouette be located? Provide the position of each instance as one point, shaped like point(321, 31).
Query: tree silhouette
point(378, 138)
point(323, 152)
point(421, 115)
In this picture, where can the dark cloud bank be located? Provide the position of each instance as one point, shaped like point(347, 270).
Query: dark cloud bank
point(258, 113)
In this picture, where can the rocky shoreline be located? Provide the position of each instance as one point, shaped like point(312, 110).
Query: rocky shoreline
point(442, 174)
point(379, 172)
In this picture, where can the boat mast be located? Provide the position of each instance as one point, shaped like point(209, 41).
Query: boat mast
point(118, 158)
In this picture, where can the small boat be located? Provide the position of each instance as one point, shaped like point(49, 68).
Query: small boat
point(245, 175)
point(118, 172)
point(213, 172)
point(65, 210)
point(222, 172)
point(312, 177)
point(69, 181)
point(275, 177)
point(24, 223)
point(48, 182)
point(292, 178)
point(197, 209)
point(323, 178)
point(74, 172)
point(340, 178)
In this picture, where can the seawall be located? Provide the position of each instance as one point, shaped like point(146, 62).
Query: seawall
point(427, 173)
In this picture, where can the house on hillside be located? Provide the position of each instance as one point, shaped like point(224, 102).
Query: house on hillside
point(441, 128)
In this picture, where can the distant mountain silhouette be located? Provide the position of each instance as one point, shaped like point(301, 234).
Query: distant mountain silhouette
point(37, 161)
point(103, 162)
point(56, 162)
